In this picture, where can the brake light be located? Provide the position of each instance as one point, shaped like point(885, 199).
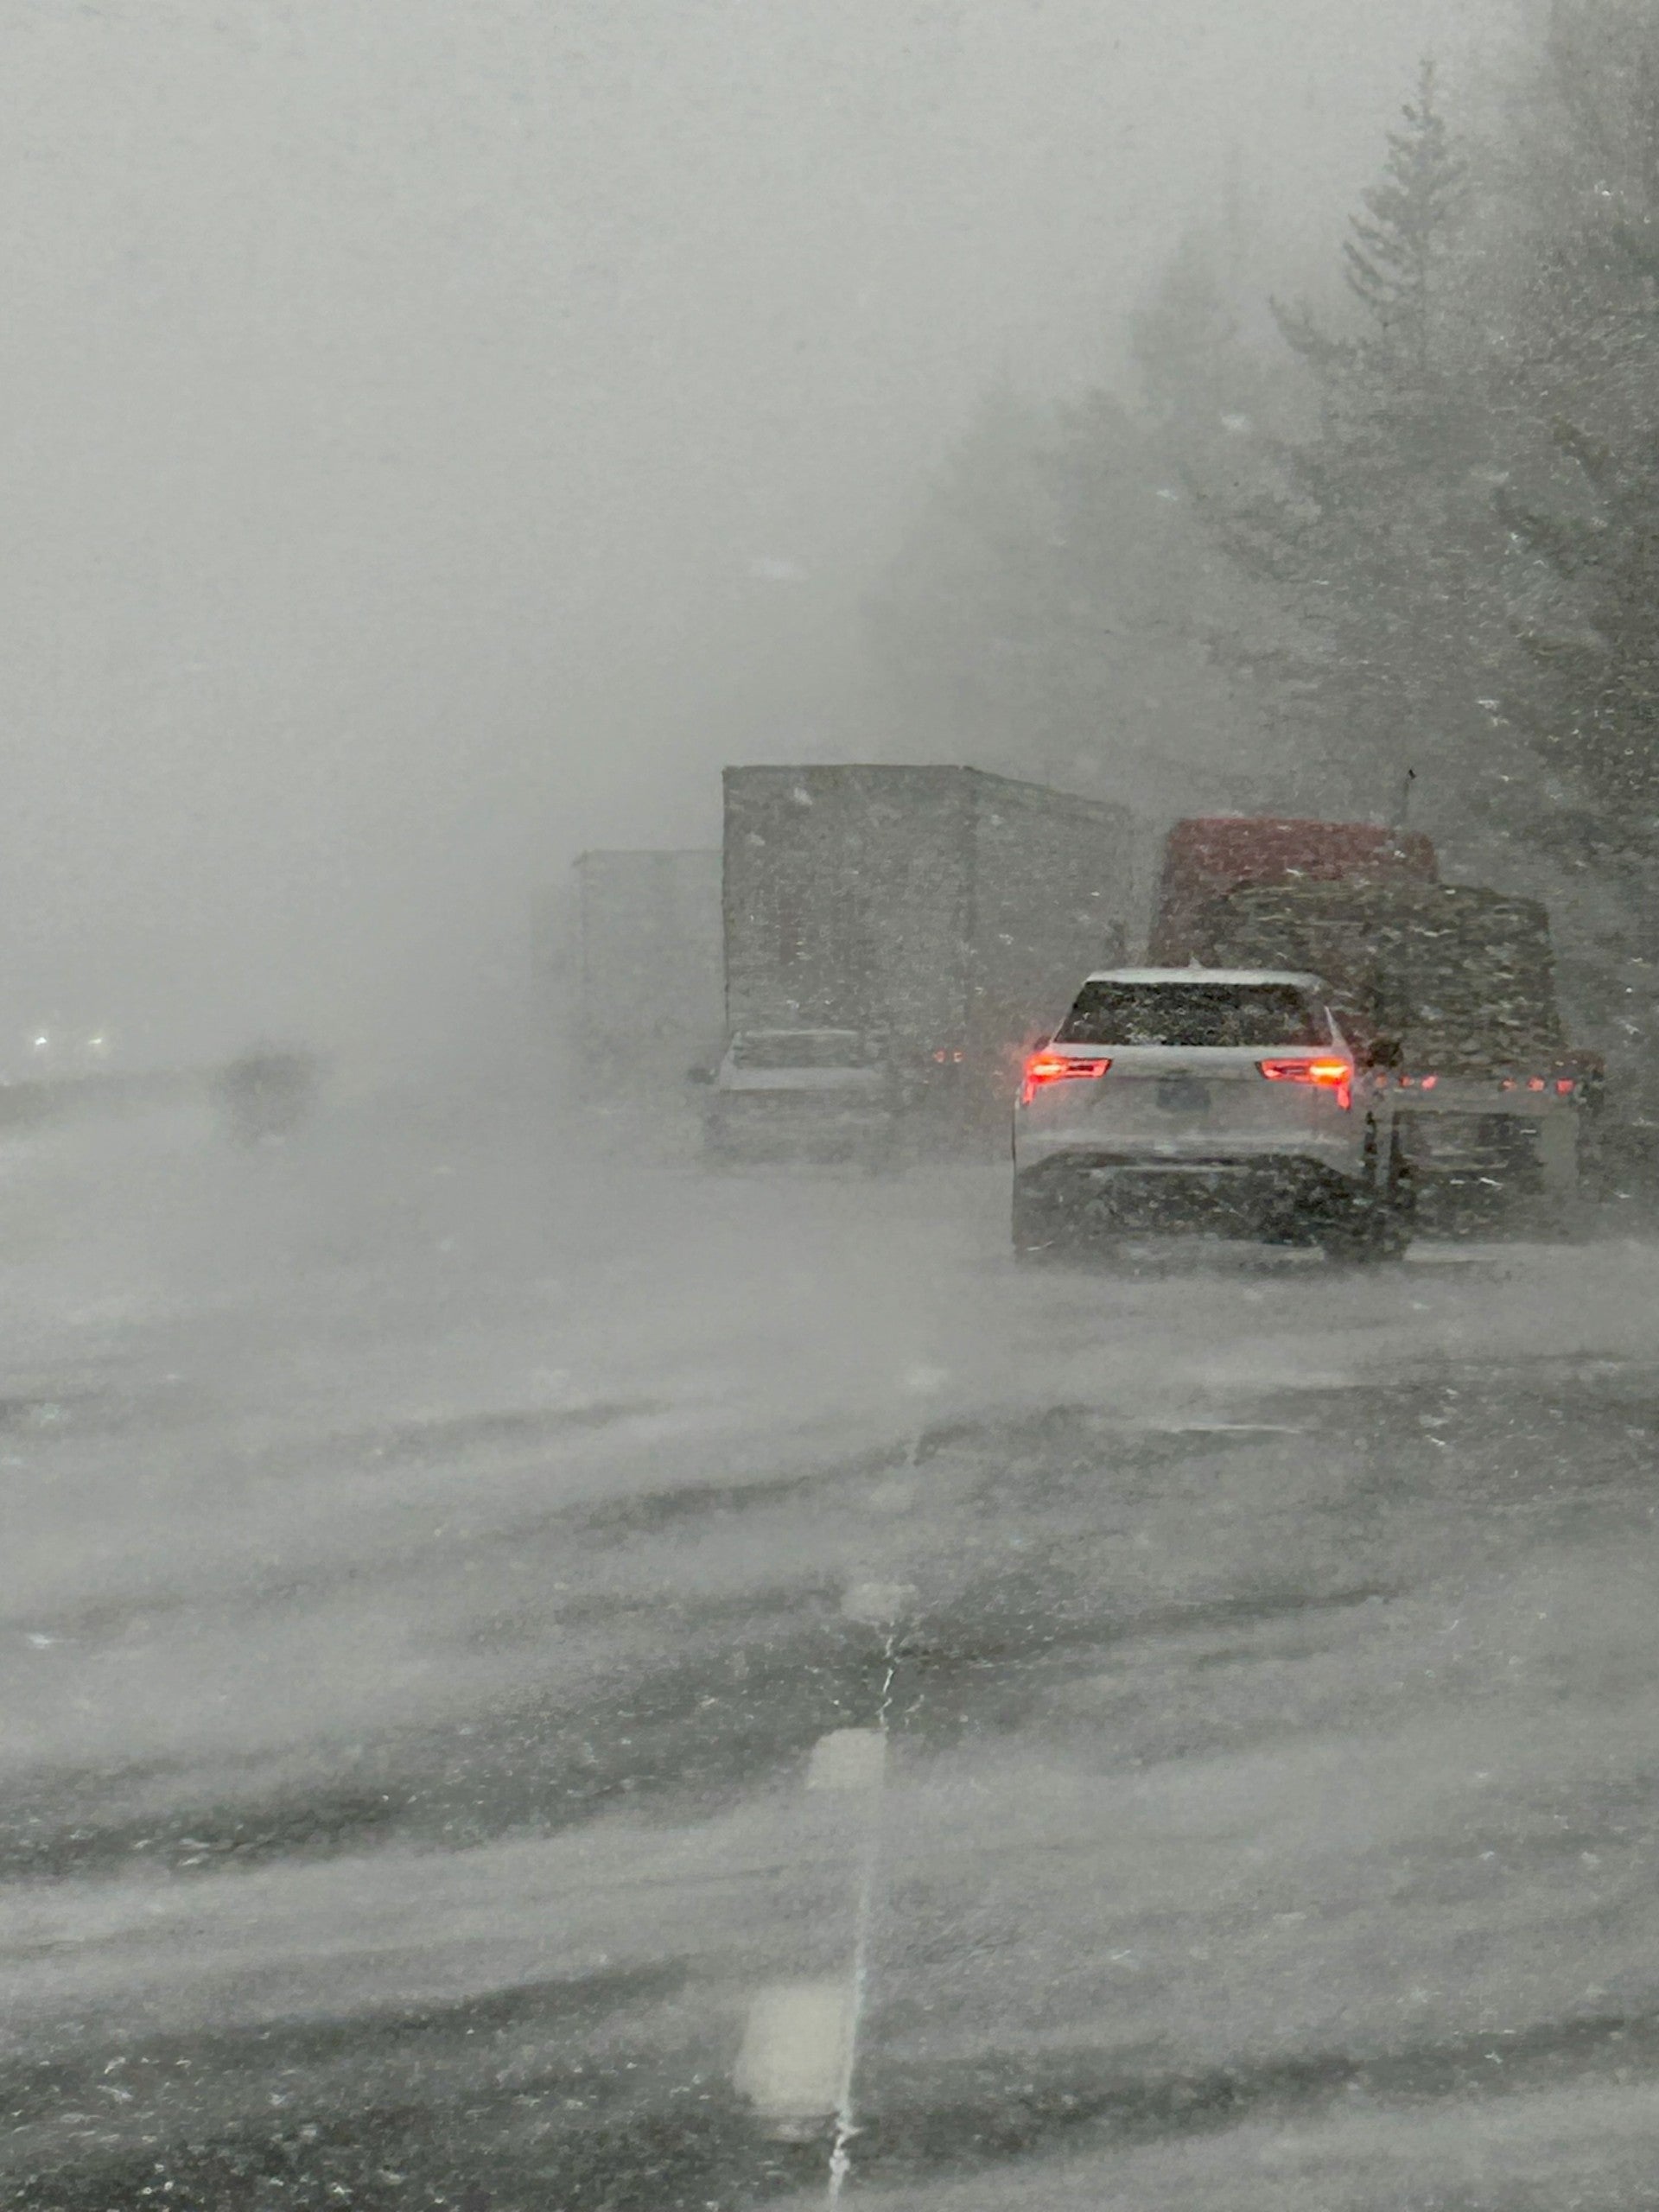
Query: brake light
point(1324, 1072)
point(1566, 1084)
point(1044, 1068)
point(1326, 1075)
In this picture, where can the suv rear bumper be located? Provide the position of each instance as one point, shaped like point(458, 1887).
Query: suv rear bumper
point(1262, 1191)
point(1338, 1149)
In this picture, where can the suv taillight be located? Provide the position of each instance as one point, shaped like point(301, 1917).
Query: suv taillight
point(1327, 1075)
point(1044, 1068)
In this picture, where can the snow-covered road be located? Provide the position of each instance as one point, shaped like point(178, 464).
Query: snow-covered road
point(433, 1554)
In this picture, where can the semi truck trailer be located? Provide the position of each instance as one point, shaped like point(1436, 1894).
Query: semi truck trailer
point(944, 913)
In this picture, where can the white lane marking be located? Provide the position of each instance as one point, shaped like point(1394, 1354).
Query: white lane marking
point(841, 2154)
point(793, 2064)
point(849, 1759)
point(896, 1497)
point(1222, 1428)
point(877, 1604)
point(1457, 1255)
point(798, 2061)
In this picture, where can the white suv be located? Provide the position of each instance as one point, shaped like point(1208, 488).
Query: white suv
point(1227, 1095)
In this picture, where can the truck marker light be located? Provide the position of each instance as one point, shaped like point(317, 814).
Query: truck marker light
point(1535, 1082)
point(1566, 1085)
point(1327, 1075)
point(1429, 1082)
point(1044, 1068)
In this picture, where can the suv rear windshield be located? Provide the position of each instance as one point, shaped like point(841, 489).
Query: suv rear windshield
point(1194, 1014)
point(802, 1048)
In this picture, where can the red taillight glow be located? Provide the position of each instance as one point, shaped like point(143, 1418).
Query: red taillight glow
point(1566, 1085)
point(1324, 1072)
point(1327, 1075)
point(1044, 1068)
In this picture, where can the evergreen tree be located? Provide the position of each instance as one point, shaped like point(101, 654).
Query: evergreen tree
point(1582, 501)
point(1376, 530)
point(1398, 257)
point(1201, 384)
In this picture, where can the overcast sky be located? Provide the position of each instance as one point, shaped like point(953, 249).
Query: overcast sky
point(427, 422)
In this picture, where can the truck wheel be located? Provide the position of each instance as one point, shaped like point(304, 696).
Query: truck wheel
point(1035, 1225)
point(1396, 1205)
point(1370, 1228)
point(1559, 1155)
point(1370, 1234)
point(1374, 1224)
point(880, 1155)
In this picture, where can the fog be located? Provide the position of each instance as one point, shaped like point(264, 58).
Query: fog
point(439, 436)
point(935, 1488)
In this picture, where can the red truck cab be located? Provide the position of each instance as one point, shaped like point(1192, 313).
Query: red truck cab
point(1206, 856)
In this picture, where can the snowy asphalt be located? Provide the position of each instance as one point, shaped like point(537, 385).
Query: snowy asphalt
point(532, 1679)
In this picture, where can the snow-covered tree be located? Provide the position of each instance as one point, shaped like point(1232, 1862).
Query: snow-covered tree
point(1375, 529)
point(1582, 495)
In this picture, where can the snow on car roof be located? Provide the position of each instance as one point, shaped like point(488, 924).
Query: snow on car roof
point(1298, 976)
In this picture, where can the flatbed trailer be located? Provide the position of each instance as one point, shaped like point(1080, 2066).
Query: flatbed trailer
point(1456, 984)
